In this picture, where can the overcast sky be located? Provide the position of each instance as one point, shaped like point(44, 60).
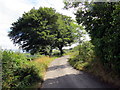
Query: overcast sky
point(11, 10)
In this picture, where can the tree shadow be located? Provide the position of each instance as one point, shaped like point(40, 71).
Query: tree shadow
point(85, 81)
point(77, 80)
point(58, 67)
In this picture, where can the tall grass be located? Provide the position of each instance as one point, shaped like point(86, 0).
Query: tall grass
point(42, 63)
point(19, 72)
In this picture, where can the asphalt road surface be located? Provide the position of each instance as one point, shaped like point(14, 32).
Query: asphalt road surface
point(61, 75)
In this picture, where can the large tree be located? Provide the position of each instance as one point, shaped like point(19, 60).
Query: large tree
point(41, 30)
point(34, 30)
point(102, 21)
point(65, 32)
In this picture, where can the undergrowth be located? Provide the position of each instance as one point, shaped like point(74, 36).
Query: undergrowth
point(19, 72)
point(83, 58)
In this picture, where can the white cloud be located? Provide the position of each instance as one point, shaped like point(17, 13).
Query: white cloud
point(57, 4)
point(11, 10)
point(5, 41)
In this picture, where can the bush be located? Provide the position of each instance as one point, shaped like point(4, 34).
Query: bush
point(84, 56)
point(102, 22)
point(86, 60)
point(17, 71)
point(27, 75)
point(32, 57)
point(56, 53)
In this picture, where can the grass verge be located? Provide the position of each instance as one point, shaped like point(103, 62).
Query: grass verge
point(41, 64)
point(96, 68)
point(20, 72)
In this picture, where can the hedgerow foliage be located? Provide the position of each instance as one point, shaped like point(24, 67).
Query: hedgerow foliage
point(83, 56)
point(102, 22)
point(17, 71)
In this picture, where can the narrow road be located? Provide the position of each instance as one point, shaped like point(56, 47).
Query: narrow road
point(61, 75)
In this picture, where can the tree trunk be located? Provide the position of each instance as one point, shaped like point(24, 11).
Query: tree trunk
point(50, 53)
point(61, 50)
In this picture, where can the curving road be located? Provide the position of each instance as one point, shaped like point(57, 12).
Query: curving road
point(61, 75)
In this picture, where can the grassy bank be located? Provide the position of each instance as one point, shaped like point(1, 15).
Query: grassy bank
point(20, 71)
point(97, 69)
point(83, 58)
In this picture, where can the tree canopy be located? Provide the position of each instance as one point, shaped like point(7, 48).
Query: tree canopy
point(41, 30)
point(65, 32)
point(101, 20)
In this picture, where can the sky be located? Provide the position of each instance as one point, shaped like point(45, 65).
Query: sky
point(11, 10)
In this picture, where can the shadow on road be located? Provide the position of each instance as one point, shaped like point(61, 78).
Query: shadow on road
point(85, 81)
point(57, 67)
point(81, 80)
point(61, 75)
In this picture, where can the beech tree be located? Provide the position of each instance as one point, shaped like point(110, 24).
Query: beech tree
point(41, 30)
point(65, 32)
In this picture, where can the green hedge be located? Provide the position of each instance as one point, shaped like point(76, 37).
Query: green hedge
point(102, 22)
point(84, 55)
point(17, 71)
